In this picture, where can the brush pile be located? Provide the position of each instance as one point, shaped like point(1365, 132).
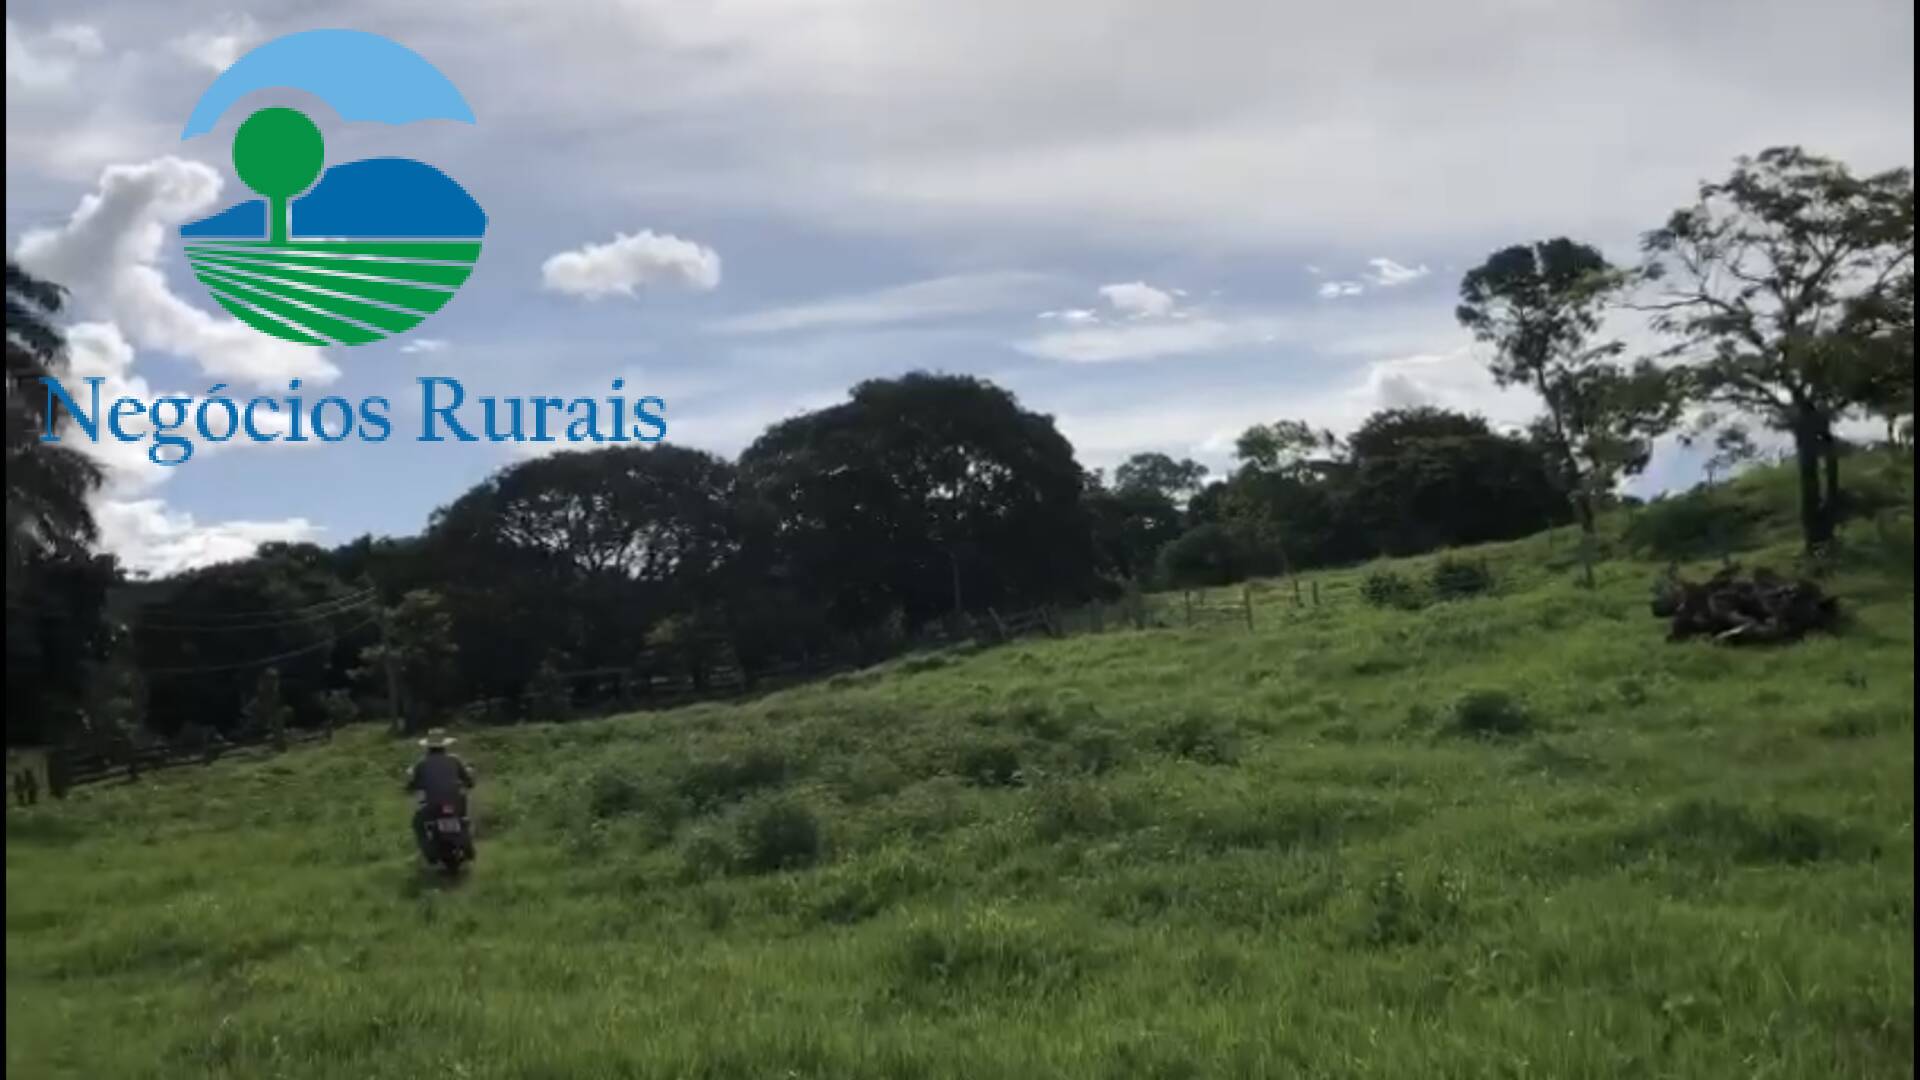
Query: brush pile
point(1757, 609)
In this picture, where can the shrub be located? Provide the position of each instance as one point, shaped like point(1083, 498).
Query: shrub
point(778, 834)
point(1402, 913)
point(1198, 737)
point(991, 764)
point(1074, 808)
point(1491, 712)
point(1384, 588)
point(1695, 526)
point(1098, 750)
point(709, 782)
point(611, 793)
point(1454, 579)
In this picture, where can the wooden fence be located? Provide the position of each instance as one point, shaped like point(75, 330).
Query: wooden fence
point(711, 670)
point(68, 767)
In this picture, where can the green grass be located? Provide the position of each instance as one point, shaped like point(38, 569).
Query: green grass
point(1518, 835)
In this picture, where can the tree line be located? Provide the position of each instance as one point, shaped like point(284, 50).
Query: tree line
point(1783, 293)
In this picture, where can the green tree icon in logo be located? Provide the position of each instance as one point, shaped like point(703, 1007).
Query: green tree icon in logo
point(278, 153)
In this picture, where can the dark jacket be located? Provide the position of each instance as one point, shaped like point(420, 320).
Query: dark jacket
point(440, 777)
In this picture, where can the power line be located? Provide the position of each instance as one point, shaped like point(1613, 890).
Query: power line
point(288, 655)
point(321, 611)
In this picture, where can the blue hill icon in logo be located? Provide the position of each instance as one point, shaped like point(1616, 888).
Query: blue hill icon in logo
point(370, 249)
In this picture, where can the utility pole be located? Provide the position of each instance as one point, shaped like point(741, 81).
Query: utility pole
point(393, 674)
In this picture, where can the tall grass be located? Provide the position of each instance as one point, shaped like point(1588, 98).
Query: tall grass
point(1517, 834)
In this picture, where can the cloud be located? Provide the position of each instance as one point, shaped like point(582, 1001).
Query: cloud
point(1149, 340)
point(1386, 273)
point(136, 524)
point(1334, 290)
point(627, 262)
point(217, 47)
point(956, 294)
point(150, 537)
point(421, 346)
point(1138, 300)
point(49, 60)
point(107, 254)
point(1072, 315)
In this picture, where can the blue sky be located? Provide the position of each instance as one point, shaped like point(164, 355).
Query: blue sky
point(1157, 222)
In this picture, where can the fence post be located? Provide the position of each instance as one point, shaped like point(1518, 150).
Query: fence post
point(1297, 601)
point(1246, 597)
point(1316, 592)
point(1187, 594)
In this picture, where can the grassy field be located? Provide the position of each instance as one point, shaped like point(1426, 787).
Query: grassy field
point(1165, 853)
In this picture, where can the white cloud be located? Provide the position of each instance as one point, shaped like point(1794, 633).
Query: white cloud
point(108, 252)
point(625, 263)
point(148, 536)
point(1333, 290)
point(135, 524)
point(217, 47)
point(1072, 315)
point(421, 346)
point(956, 294)
point(1138, 300)
point(1386, 273)
point(49, 60)
point(1148, 340)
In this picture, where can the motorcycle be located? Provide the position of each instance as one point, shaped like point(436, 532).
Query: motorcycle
point(449, 838)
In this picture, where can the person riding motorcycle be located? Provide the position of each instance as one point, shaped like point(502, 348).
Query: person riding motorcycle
point(440, 778)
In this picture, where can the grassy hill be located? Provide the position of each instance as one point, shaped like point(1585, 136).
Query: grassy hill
point(1166, 853)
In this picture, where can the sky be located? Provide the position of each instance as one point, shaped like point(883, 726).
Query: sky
point(1158, 223)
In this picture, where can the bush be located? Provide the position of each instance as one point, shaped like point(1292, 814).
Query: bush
point(1201, 738)
point(1491, 712)
point(1454, 579)
point(1384, 588)
point(709, 782)
point(991, 764)
point(1694, 526)
point(779, 834)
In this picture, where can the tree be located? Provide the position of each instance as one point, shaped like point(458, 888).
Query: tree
point(417, 653)
point(1428, 478)
point(47, 484)
point(1391, 431)
point(1773, 282)
point(580, 552)
point(1177, 481)
point(201, 637)
point(265, 712)
point(1285, 446)
point(56, 587)
point(1130, 526)
point(1540, 306)
point(929, 494)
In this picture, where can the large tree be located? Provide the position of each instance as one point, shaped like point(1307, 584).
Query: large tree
point(1427, 478)
point(1772, 279)
point(925, 494)
point(1540, 306)
point(578, 554)
point(204, 637)
point(1160, 474)
point(47, 484)
point(56, 588)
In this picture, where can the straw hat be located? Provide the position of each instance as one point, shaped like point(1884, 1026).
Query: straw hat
point(436, 739)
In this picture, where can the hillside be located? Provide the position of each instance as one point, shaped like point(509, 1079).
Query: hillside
point(1179, 852)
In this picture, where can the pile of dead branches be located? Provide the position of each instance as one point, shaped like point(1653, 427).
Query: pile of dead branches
point(1760, 608)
